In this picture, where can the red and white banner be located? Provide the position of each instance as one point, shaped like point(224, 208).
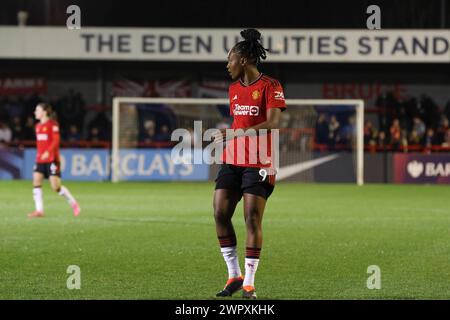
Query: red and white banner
point(370, 91)
point(152, 88)
point(12, 86)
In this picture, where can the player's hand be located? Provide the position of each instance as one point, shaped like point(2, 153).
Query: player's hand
point(219, 136)
point(45, 155)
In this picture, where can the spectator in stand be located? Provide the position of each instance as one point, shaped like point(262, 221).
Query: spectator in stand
point(94, 135)
point(103, 123)
point(446, 142)
point(17, 129)
point(442, 131)
point(164, 134)
point(333, 131)
point(381, 141)
point(74, 134)
point(322, 129)
point(396, 134)
point(405, 140)
point(149, 133)
point(430, 138)
point(373, 141)
point(369, 132)
point(419, 127)
point(5, 134)
point(29, 133)
point(374, 137)
point(414, 138)
point(348, 132)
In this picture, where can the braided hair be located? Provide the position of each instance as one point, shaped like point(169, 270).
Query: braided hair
point(251, 47)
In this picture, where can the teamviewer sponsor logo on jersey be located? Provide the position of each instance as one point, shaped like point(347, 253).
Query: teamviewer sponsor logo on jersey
point(42, 137)
point(240, 110)
point(254, 110)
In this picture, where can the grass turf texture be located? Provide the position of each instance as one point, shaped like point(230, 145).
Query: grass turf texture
point(157, 241)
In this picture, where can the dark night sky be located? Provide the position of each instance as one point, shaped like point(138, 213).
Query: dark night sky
point(231, 14)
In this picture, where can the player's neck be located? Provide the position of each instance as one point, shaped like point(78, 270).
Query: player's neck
point(250, 76)
point(44, 120)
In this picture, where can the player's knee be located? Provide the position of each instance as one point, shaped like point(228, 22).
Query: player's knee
point(221, 216)
point(252, 220)
point(56, 188)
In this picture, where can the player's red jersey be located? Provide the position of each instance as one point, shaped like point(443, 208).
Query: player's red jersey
point(47, 139)
point(248, 106)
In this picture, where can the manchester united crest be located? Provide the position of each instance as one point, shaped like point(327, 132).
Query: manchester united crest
point(256, 94)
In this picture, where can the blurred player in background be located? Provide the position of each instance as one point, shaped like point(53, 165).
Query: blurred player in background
point(256, 102)
point(48, 160)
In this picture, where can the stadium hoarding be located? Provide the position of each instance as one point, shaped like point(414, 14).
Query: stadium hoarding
point(11, 164)
point(421, 168)
point(180, 44)
point(76, 164)
point(154, 165)
point(157, 165)
point(135, 165)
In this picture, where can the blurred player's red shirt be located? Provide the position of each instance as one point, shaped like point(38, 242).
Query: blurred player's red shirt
point(47, 139)
point(248, 106)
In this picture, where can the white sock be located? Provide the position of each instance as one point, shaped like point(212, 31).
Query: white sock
point(67, 195)
point(37, 196)
point(250, 270)
point(231, 258)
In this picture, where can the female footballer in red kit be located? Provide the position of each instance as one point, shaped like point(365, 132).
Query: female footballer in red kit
point(256, 102)
point(48, 160)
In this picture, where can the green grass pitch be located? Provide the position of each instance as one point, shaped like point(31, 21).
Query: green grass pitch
point(157, 241)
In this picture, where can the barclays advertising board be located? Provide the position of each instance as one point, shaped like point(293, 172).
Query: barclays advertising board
point(134, 165)
point(422, 168)
point(76, 164)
